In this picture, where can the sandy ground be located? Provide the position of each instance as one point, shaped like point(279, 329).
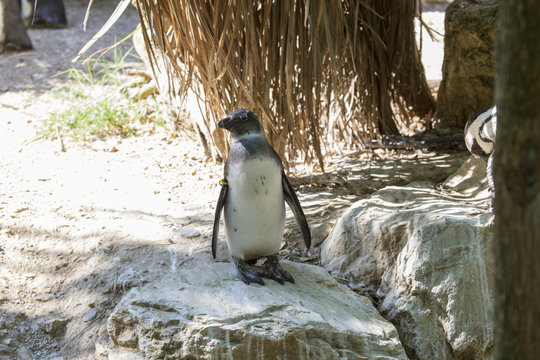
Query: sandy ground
point(80, 228)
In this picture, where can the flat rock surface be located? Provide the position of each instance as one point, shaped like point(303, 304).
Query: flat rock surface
point(203, 311)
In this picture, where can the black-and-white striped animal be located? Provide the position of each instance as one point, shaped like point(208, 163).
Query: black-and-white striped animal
point(480, 134)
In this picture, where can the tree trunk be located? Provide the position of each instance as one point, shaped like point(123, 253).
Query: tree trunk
point(517, 178)
point(12, 30)
point(468, 72)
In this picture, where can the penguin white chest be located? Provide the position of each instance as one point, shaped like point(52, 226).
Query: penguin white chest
point(254, 211)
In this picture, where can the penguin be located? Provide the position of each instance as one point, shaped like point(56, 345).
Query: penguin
point(480, 132)
point(252, 198)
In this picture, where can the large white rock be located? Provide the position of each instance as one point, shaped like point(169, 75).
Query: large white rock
point(428, 256)
point(203, 311)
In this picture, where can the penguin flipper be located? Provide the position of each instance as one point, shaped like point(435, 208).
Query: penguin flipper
point(217, 217)
point(294, 204)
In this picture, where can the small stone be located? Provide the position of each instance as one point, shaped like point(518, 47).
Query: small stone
point(55, 327)
point(319, 232)
point(90, 315)
point(127, 338)
point(61, 265)
point(190, 232)
point(44, 297)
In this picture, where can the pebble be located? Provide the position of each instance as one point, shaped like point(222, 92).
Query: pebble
point(44, 298)
point(319, 232)
point(190, 232)
point(61, 265)
point(55, 327)
point(90, 315)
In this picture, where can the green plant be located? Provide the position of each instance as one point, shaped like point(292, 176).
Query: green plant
point(96, 105)
point(97, 120)
point(98, 71)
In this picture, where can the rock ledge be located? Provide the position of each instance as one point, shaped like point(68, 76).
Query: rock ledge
point(202, 311)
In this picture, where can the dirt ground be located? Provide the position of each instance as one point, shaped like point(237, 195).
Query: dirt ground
point(80, 228)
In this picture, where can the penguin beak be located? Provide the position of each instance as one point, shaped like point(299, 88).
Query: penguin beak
point(225, 123)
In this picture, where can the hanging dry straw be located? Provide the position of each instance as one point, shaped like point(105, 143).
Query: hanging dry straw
point(321, 75)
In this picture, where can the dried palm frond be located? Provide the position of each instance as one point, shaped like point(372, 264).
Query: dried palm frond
point(321, 75)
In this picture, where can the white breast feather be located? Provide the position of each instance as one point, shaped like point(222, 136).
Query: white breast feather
point(255, 210)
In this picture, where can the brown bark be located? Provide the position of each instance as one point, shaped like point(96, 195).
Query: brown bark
point(517, 178)
point(12, 30)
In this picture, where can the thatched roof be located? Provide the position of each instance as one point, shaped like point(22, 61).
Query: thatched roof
point(321, 75)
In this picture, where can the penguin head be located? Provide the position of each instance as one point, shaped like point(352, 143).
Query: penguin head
point(242, 123)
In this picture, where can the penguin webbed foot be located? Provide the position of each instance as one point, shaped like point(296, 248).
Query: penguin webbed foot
point(246, 274)
point(276, 272)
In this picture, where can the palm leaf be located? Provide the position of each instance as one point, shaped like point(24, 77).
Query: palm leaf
point(323, 76)
point(120, 8)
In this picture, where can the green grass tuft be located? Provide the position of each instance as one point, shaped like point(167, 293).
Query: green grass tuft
point(96, 106)
point(98, 120)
